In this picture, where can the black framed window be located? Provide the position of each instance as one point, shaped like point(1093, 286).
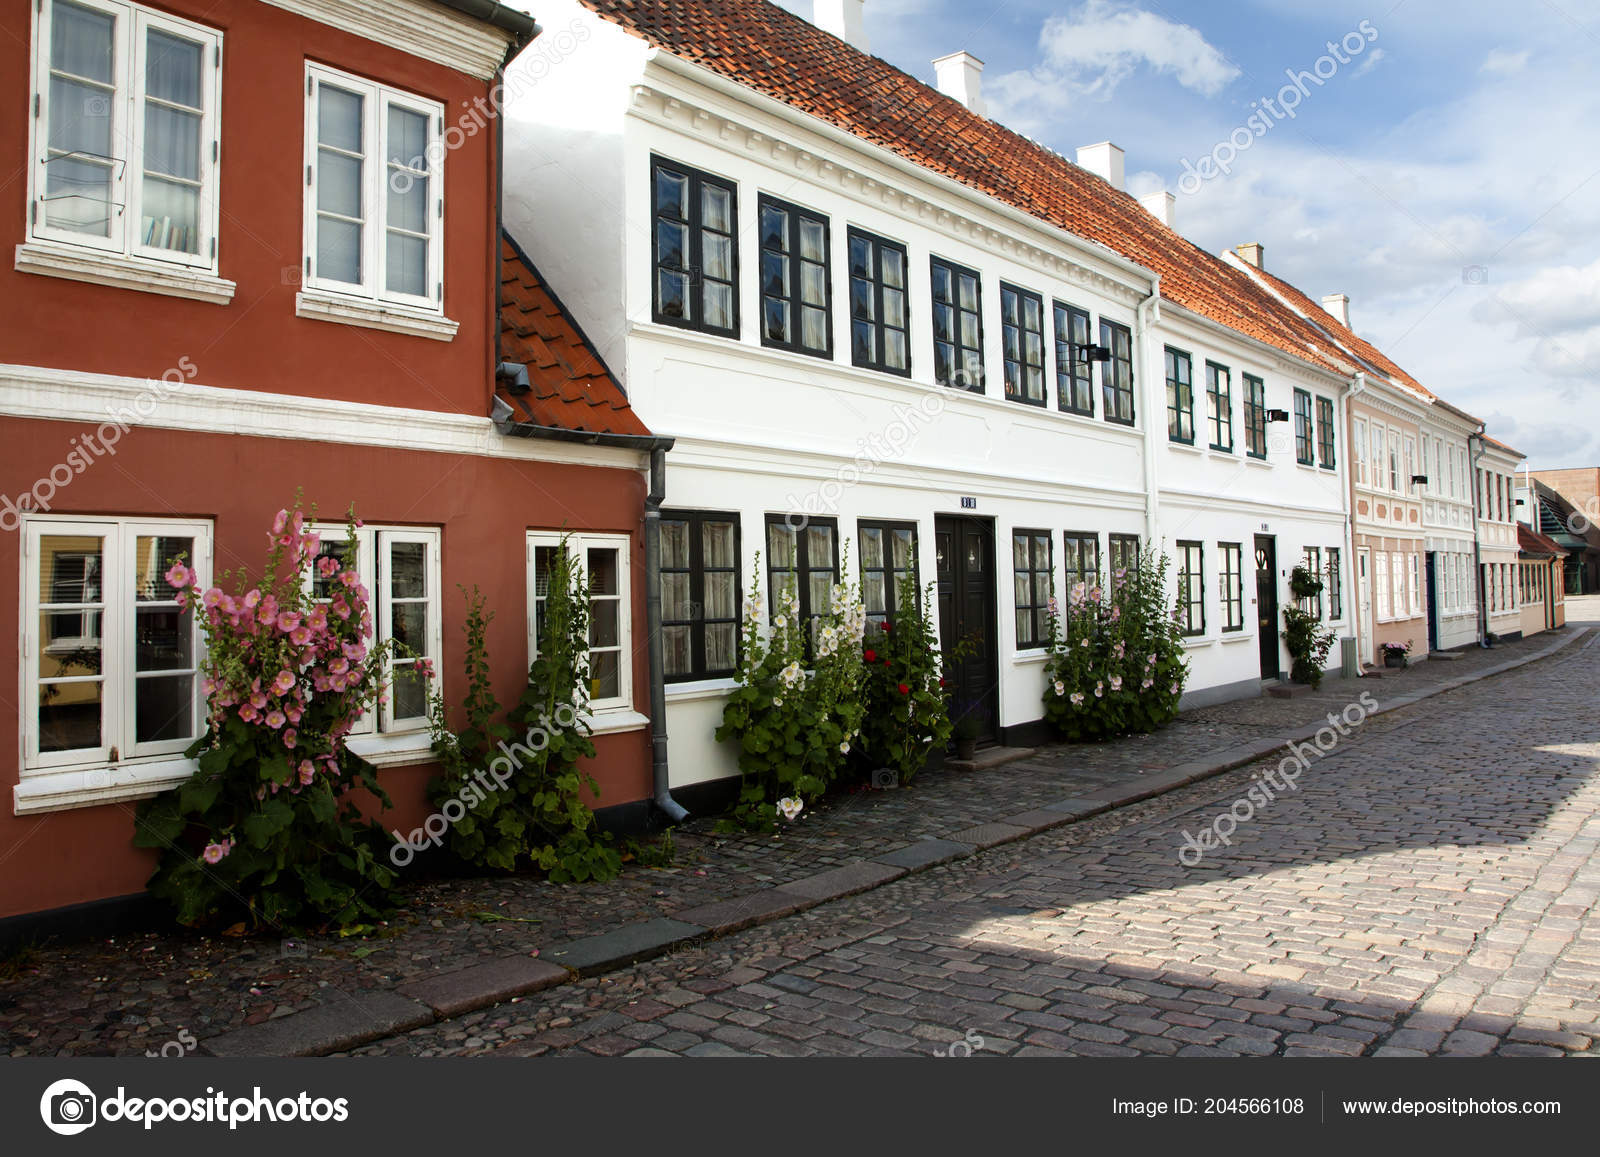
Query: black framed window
point(1192, 587)
point(1022, 343)
point(1303, 430)
point(1180, 397)
point(1116, 375)
point(1232, 575)
point(888, 551)
point(805, 561)
point(1219, 406)
point(796, 291)
point(878, 322)
point(695, 229)
point(1325, 433)
point(1081, 560)
point(1335, 591)
point(1313, 605)
point(699, 594)
point(1123, 553)
point(1255, 416)
point(1033, 584)
point(1074, 380)
point(957, 327)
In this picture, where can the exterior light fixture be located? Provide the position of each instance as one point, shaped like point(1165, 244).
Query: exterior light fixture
point(1277, 415)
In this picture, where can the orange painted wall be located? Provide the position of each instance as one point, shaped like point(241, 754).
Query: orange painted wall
point(484, 505)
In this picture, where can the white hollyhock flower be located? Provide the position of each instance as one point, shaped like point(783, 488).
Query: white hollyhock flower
point(790, 806)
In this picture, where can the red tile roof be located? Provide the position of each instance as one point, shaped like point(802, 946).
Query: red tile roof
point(570, 387)
point(1499, 445)
point(1532, 542)
point(776, 53)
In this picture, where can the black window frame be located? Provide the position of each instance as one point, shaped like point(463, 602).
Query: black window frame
point(1033, 539)
point(1335, 588)
point(1118, 545)
point(877, 322)
point(1304, 429)
point(804, 568)
point(1180, 393)
point(794, 300)
point(696, 570)
point(891, 583)
point(1219, 405)
point(952, 378)
point(1115, 368)
point(1232, 584)
point(1022, 297)
point(1255, 416)
point(1325, 433)
point(1073, 543)
point(1069, 380)
point(694, 263)
point(1188, 599)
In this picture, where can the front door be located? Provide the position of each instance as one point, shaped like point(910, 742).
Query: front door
point(1433, 604)
point(1364, 604)
point(1267, 604)
point(964, 550)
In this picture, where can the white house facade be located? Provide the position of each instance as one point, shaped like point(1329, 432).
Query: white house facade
point(1495, 491)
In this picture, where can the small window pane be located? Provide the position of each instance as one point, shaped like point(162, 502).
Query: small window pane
point(604, 680)
point(408, 577)
point(671, 192)
point(164, 709)
point(603, 571)
point(717, 209)
point(674, 545)
point(339, 116)
point(410, 625)
point(69, 716)
point(165, 639)
point(410, 691)
point(603, 623)
point(408, 138)
point(718, 544)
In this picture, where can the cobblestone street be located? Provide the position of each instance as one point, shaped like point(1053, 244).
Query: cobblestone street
point(1428, 889)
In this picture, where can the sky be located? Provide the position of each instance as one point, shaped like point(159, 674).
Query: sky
point(1445, 174)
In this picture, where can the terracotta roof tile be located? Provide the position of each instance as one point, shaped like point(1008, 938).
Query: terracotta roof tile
point(570, 387)
point(776, 53)
point(1532, 542)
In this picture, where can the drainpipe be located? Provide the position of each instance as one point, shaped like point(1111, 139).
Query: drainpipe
point(652, 601)
point(1475, 443)
point(1147, 315)
point(1358, 386)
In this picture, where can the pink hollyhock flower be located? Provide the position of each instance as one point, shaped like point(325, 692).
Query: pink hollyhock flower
point(208, 685)
point(275, 719)
point(284, 681)
point(294, 712)
point(1147, 684)
point(251, 599)
point(320, 682)
point(339, 666)
point(213, 853)
point(212, 597)
point(1174, 688)
point(307, 772)
point(280, 521)
point(179, 575)
point(249, 714)
point(300, 636)
point(327, 566)
point(1077, 698)
point(341, 608)
point(290, 735)
point(1099, 690)
point(355, 652)
point(258, 700)
point(288, 621)
point(299, 522)
point(425, 668)
point(349, 578)
point(1116, 682)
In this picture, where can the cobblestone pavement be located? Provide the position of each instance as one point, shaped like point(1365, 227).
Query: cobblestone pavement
point(1429, 889)
point(133, 993)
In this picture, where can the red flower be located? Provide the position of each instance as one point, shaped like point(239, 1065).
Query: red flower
point(886, 660)
point(887, 627)
point(871, 655)
point(941, 682)
point(904, 690)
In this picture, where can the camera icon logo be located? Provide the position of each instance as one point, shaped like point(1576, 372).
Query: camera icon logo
point(96, 106)
point(884, 778)
point(1475, 275)
point(68, 1107)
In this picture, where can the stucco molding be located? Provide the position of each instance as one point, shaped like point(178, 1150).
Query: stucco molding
point(85, 787)
point(430, 31)
point(122, 272)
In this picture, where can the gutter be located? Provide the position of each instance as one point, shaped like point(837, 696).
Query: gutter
point(522, 27)
point(643, 443)
point(659, 770)
point(1358, 386)
point(1475, 441)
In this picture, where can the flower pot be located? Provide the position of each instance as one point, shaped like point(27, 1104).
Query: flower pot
point(1394, 659)
point(966, 749)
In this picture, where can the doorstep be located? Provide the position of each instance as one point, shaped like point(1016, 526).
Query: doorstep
point(990, 757)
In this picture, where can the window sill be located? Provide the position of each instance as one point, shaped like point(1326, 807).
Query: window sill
point(1188, 447)
point(1192, 641)
point(121, 272)
point(700, 689)
point(406, 749)
point(332, 307)
point(1252, 460)
point(1031, 655)
point(85, 787)
point(1239, 636)
point(614, 721)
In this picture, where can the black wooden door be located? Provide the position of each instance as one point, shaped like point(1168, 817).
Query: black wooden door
point(964, 551)
point(1267, 604)
point(1433, 603)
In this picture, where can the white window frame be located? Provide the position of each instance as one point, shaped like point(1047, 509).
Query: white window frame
point(134, 21)
point(1361, 451)
point(373, 545)
point(374, 178)
point(1380, 574)
point(50, 780)
point(1414, 584)
point(580, 545)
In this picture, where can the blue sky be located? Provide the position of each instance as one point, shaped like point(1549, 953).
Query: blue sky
point(1447, 177)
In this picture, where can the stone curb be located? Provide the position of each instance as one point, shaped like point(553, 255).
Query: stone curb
point(368, 1016)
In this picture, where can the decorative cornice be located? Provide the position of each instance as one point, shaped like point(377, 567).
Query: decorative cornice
point(430, 31)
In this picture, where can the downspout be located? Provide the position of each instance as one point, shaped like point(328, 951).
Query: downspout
point(1358, 386)
point(1475, 441)
point(1147, 315)
point(652, 601)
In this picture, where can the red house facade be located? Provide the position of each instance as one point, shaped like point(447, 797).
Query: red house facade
point(257, 250)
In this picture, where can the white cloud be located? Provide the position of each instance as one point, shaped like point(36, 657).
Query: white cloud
point(1504, 63)
point(1370, 61)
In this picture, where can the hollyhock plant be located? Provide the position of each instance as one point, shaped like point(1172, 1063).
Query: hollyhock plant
point(271, 790)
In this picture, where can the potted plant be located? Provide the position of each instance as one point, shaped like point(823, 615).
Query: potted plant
point(1394, 654)
point(967, 730)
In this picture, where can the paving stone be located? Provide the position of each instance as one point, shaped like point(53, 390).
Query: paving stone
point(989, 835)
point(345, 1020)
point(845, 881)
point(456, 993)
point(625, 945)
point(727, 916)
point(924, 854)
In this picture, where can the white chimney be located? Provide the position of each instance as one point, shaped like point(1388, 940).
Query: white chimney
point(1160, 206)
point(960, 76)
point(1103, 160)
point(843, 18)
point(1252, 253)
point(1338, 304)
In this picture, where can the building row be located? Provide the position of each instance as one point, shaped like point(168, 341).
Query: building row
point(707, 290)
